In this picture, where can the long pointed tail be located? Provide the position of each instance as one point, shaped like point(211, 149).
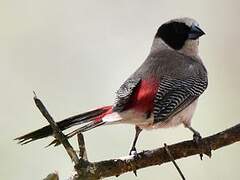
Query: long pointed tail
point(92, 118)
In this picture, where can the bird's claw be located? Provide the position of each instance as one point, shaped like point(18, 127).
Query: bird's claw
point(197, 138)
point(133, 152)
point(135, 172)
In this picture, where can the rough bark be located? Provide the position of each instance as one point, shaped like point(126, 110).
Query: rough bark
point(159, 156)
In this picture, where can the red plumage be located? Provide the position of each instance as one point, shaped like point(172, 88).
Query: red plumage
point(107, 110)
point(143, 97)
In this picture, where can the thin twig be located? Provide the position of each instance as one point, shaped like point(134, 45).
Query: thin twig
point(173, 161)
point(56, 131)
point(52, 176)
point(82, 148)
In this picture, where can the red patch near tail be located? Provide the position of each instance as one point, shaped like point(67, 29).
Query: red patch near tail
point(107, 110)
point(143, 97)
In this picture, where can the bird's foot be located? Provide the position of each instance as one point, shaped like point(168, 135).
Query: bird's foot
point(133, 152)
point(197, 138)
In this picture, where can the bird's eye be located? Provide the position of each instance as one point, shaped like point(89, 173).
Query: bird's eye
point(180, 29)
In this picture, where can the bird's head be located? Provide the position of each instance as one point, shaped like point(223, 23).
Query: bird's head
point(180, 34)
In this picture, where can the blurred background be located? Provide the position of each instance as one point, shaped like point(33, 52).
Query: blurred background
point(75, 55)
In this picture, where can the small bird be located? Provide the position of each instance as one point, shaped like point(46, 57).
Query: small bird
point(163, 92)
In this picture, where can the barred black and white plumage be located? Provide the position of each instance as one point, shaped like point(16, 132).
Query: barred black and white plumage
point(125, 92)
point(175, 94)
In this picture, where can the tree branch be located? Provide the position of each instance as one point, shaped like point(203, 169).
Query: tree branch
point(115, 167)
point(173, 161)
point(159, 156)
point(82, 148)
point(56, 131)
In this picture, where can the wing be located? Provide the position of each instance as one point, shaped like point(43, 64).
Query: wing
point(125, 92)
point(174, 95)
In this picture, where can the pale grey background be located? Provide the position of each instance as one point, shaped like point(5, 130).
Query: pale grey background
point(75, 54)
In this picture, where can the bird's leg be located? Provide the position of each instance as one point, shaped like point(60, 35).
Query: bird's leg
point(133, 150)
point(196, 137)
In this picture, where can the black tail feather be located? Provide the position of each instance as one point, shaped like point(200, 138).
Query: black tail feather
point(84, 128)
point(64, 124)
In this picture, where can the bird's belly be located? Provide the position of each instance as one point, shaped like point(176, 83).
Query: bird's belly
point(183, 117)
point(144, 122)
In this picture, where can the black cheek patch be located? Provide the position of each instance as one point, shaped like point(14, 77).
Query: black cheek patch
point(173, 34)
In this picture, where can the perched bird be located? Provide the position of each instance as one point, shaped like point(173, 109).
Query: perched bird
point(163, 92)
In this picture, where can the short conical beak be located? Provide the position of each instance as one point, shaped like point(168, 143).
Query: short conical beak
point(195, 32)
